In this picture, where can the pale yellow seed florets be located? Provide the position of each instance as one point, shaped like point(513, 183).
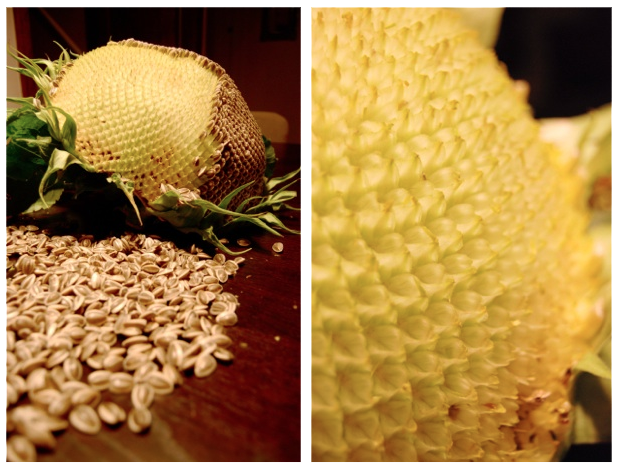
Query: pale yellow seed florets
point(451, 277)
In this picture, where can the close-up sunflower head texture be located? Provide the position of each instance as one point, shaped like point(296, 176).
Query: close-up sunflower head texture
point(460, 248)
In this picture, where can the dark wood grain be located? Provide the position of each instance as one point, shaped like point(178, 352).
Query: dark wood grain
point(246, 411)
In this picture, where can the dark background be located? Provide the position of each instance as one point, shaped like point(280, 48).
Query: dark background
point(564, 53)
point(258, 47)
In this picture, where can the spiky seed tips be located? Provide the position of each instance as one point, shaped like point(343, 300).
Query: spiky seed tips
point(158, 115)
point(452, 279)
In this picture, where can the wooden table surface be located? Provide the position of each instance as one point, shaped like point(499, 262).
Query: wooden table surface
point(246, 411)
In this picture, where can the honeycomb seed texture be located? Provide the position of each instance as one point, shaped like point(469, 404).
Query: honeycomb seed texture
point(453, 286)
point(158, 115)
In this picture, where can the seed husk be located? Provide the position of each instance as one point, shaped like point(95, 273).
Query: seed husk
point(112, 362)
point(139, 419)
point(72, 369)
point(172, 374)
point(99, 379)
point(223, 354)
point(18, 383)
point(142, 395)
point(120, 382)
point(43, 397)
point(111, 413)
point(20, 449)
point(86, 396)
point(37, 379)
point(228, 319)
point(205, 364)
point(11, 395)
point(160, 382)
point(175, 352)
point(139, 348)
point(31, 364)
point(134, 340)
point(96, 361)
point(85, 419)
point(60, 406)
point(219, 307)
point(134, 360)
point(57, 358)
point(33, 422)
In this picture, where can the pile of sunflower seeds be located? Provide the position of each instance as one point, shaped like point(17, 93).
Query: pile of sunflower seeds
point(90, 319)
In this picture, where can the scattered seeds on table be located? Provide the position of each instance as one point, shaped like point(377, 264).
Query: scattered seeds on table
point(88, 319)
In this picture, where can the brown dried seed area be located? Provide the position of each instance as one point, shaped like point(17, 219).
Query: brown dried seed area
point(91, 319)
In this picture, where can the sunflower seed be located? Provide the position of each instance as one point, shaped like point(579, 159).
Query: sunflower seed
point(110, 413)
point(218, 307)
point(141, 373)
point(99, 379)
point(60, 405)
point(172, 374)
point(223, 354)
point(139, 419)
point(43, 397)
point(204, 365)
point(227, 319)
point(160, 383)
point(86, 396)
point(142, 395)
point(120, 382)
point(37, 380)
point(85, 419)
point(11, 395)
point(31, 364)
point(134, 360)
point(32, 422)
point(20, 449)
point(175, 352)
point(72, 369)
point(112, 362)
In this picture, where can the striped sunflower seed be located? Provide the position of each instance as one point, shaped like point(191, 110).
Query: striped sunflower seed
point(120, 382)
point(85, 419)
point(110, 413)
point(205, 364)
point(86, 396)
point(60, 406)
point(73, 369)
point(160, 382)
point(139, 419)
point(20, 449)
point(142, 395)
